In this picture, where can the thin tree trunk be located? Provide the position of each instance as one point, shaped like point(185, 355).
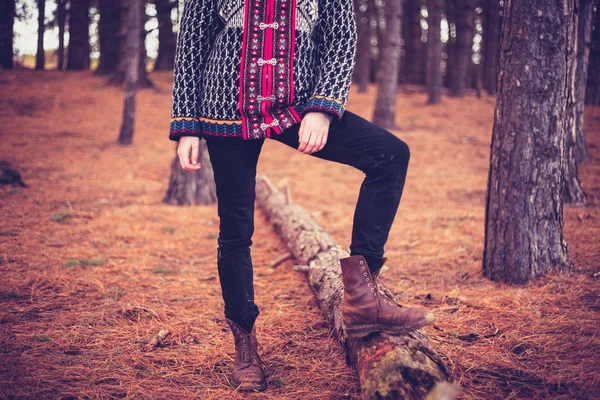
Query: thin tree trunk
point(592, 90)
point(61, 14)
point(464, 46)
point(434, 51)
point(492, 23)
point(133, 19)
point(192, 187)
point(78, 57)
point(109, 37)
point(389, 367)
point(7, 20)
point(584, 36)
point(40, 57)
point(524, 209)
point(165, 60)
point(362, 69)
point(572, 191)
point(412, 62)
point(385, 106)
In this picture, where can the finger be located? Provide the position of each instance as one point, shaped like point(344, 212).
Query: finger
point(311, 143)
point(317, 145)
point(304, 141)
point(195, 147)
point(180, 155)
point(301, 130)
point(323, 141)
point(185, 155)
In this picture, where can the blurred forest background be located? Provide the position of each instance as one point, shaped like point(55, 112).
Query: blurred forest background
point(499, 103)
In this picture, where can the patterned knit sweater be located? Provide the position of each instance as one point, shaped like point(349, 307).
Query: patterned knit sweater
point(251, 68)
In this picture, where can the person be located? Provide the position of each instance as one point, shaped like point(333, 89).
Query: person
point(247, 71)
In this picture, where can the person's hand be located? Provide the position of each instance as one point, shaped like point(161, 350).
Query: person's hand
point(187, 145)
point(313, 131)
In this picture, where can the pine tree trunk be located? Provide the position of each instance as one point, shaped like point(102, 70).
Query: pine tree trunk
point(572, 191)
point(109, 36)
point(434, 51)
point(192, 187)
point(492, 24)
point(61, 14)
point(584, 36)
point(362, 69)
point(78, 57)
point(464, 46)
point(385, 106)
point(412, 62)
point(40, 57)
point(165, 60)
point(7, 20)
point(133, 20)
point(524, 210)
point(120, 75)
point(592, 90)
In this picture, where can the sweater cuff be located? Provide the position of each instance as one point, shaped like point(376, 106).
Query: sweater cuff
point(324, 104)
point(184, 126)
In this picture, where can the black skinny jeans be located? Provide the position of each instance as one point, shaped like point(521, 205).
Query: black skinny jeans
point(352, 141)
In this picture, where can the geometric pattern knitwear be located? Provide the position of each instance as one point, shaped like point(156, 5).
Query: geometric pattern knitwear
point(252, 68)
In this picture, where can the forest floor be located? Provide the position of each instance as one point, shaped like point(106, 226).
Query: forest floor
point(93, 265)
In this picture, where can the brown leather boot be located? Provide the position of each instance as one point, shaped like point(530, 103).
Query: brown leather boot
point(248, 372)
point(366, 311)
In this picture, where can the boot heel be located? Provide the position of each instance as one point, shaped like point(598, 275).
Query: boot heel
point(360, 331)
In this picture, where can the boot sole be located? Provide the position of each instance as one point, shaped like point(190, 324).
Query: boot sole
point(360, 331)
point(249, 386)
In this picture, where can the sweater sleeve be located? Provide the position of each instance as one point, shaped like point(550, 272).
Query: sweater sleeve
point(336, 49)
point(197, 30)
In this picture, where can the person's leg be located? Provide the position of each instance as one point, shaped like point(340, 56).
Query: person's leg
point(383, 158)
point(234, 164)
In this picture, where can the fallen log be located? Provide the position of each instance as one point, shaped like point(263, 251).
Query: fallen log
point(389, 367)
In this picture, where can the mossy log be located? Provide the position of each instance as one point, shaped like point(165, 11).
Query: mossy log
point(389, 367)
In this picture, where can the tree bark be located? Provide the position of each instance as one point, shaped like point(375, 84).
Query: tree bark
point(120, 75)
point(385, 105)
point(7, 20)
point(389, 367)
point(434, 51)
point(109, 36)
point(78, 57)
point(362, 69)
point(592, 90)
point(40, 57)
point(192, 187)
point(61, 16)
point(572, 191)
point(133, 19)
point(165, 60)
point(464, 46)
point(413, 60)
point(584, 36)
point(492, 23)
point(524, 209)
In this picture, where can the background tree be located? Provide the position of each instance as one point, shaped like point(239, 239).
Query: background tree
point(40, 58)
point(584, 36)
point(412, 63)
point(592, 90)
point(492, 22)
point(434, 51)
point(572, 190)
point(7, 20)
point(167, 40)
point(61, 18)
point(524, 210)
point(78, 57)
point(464, 46)
point(133, 20)
point(362, 69)
point(110, 36)
point(385, 105)
point(450, 47)
point(192, 187)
